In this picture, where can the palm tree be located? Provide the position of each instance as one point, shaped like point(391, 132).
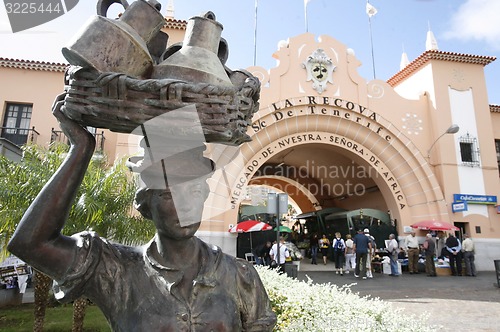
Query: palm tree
point(103, 204)
point(19, 185)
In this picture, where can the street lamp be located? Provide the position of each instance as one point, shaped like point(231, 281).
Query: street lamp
point(453, 129)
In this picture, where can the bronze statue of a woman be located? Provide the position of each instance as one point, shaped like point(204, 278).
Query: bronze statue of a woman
point(176, 282)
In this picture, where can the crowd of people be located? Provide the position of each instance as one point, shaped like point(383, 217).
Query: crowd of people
point(357, 253)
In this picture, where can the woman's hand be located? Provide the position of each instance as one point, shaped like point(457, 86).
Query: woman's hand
point(76, 133)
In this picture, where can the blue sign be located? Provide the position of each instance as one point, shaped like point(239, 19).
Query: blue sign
point(458, 206)
point(475, 199)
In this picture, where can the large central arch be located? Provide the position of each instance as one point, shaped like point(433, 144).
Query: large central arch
point(404, 177)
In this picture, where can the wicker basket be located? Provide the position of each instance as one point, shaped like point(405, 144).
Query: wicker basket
point(121, 103)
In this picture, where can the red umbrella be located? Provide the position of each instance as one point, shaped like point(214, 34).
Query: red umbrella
point(435, 225)
point(249, 226)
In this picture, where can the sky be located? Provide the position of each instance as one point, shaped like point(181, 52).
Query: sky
point(461, 26)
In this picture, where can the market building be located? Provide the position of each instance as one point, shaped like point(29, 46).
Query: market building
point(425, 145)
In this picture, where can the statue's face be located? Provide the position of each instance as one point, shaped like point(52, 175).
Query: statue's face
point(177, 210)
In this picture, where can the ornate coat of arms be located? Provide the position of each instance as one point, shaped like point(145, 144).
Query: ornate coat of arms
point(319, 69)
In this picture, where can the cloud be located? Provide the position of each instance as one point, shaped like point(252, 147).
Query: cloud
point(476, 20)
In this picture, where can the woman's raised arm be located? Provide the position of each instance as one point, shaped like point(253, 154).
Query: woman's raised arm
point(38, 239)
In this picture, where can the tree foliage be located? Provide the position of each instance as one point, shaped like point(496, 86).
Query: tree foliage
point(103, 203)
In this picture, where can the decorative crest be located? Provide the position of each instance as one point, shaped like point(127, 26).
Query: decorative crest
point(319, 69)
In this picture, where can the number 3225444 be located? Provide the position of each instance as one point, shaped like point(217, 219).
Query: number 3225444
point(32, 8)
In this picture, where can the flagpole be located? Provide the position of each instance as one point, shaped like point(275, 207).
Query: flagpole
point(305, 15)
point(255, 35)
point(371, 44)
point(371, 11)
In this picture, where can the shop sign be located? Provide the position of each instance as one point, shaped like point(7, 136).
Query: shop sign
point(475, 199)
point(459, 206)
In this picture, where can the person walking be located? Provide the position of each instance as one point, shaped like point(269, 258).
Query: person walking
point(412, 246)
point(468, 249)
point(371, 253)
point(362, 246)
point(339, 253)
point(430, 252)
point(313, 244)
point(392, 249)
point(454, 254)
point(350, 256)
point(324, 244)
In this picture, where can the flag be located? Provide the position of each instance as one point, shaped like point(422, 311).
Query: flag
point(370, 10)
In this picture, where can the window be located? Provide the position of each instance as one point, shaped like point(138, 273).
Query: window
point(469, 150)
point(466, 152)
point(497, 148)
point(16, 124)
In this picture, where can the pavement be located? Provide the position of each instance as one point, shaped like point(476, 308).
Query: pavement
point(455, 303)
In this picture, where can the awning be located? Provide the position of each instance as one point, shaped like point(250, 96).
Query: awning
point(305, 215)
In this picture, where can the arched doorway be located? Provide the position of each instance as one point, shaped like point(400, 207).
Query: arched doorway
point(393, 169)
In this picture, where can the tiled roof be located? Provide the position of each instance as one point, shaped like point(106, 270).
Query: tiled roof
point(172, 23)
point(438, 55)
point(32, 65)
point(495, 108)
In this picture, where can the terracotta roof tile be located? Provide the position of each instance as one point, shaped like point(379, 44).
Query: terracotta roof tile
point(437, 55)
point(172, 23)
point(495, 108)
point(32, 65)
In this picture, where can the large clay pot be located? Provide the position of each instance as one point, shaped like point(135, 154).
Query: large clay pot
point(117, 45)
point(197, 60)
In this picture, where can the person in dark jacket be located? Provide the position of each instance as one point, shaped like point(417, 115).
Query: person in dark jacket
point(362, 245)
point(454, 254)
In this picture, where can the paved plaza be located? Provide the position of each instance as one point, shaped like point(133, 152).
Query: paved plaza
point(455, 303)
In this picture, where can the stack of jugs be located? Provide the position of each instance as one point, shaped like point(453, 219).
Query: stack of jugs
point(198, 59)
point(118, 45)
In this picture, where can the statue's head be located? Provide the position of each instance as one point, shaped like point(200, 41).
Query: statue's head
point(173, 191)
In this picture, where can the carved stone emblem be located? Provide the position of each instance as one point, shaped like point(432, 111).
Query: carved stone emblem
point(319, 69)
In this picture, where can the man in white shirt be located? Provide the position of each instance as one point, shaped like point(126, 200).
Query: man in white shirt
point(411, 243)
point(283, 254)
point(392, 249)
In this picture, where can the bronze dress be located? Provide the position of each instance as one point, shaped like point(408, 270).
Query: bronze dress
point(136, 293)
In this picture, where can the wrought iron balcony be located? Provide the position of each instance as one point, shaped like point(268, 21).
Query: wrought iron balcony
point(19, 136)
point(58, 136)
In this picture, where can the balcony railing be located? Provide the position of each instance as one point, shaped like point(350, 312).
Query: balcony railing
point(19, 136)
point(58, 136)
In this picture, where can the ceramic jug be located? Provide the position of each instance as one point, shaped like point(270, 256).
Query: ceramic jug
point(197, 59)
point(117, 45)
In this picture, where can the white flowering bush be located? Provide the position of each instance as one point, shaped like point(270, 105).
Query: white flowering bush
point(305, 306)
